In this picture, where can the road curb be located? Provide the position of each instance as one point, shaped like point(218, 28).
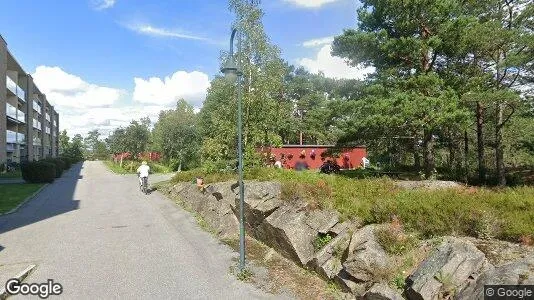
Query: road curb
point(25, 201)
point(21, 276)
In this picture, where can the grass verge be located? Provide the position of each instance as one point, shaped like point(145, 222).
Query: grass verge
point(505, 214)
point(130, 167)
point(14, 194)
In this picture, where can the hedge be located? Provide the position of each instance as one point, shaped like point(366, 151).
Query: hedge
point(38, 172)
point(59, 163)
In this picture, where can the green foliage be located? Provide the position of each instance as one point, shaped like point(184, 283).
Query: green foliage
point(429, 213)
point(59, 163)
point(38, 172)
point(321, 240)
point(395, 241)
point(176, 136)
point(130, 167)
point(133, 139)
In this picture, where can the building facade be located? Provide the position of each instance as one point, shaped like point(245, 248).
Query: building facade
point(29, 125)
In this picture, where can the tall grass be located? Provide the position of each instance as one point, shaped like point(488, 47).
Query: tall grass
point(505, 214)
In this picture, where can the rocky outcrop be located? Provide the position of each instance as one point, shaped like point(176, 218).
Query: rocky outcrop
point(451, 268)
point(519, 272)
point(366, 259)
point(381, 291)
point(345, 253)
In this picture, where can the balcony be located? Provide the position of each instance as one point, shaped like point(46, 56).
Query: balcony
point(21, 116)
point(11, 137)
point(36, 106)
point(37, 124)
point(15, 89)
point(21, 139)
point(11, 111)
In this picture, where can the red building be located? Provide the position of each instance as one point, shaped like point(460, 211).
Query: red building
point(315, 155)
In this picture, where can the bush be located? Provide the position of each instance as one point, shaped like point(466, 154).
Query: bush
point(60, 165)
point(39, 172)
point(66, 162)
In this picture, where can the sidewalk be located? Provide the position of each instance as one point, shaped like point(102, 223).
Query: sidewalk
point(11, 180)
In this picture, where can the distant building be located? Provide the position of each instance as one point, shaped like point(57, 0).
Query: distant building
point(315, 155)
point(29, 125)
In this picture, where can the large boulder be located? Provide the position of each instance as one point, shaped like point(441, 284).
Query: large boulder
point(366, 259)
point(447, 271)
point(261, 200)
point(381, 291)
point(519, 272)
point(328, 261)
point(286, 231)
point(213, 204)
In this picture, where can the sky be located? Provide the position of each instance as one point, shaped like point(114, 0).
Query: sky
point(103, 63)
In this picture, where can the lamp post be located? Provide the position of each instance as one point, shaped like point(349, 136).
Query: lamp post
point(232, 72)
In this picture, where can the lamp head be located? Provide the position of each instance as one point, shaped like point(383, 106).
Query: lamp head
point(230, 70)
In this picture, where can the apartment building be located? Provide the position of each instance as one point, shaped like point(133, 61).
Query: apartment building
point(29, 125)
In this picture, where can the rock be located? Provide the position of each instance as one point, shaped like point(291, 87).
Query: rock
point(340, 227)
point(322, 220)
point(327, 262)
point(345, 282)
point(519, 272)
point(446, 271)
point(366, 260)
point(285, 230)
point(381, 291)
point(261, 200)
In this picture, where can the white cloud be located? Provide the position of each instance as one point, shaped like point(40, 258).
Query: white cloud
point(103, 4)
point(318, 42)
point(310, 3)
point(163, 32)
point(333, 67)
point(190, 86)
point(66, 90)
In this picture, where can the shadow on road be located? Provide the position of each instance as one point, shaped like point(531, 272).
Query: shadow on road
point(54, 200)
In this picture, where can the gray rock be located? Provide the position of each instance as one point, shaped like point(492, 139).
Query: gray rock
point(322, 220)
point(285, 230)
point(366, 259)
point(381, 291)
point(446, 271)
point(347, 284)
point(519, 272)
point(261, 200)
point(327, 262)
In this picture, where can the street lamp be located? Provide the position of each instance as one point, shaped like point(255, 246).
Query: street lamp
point(233, 72)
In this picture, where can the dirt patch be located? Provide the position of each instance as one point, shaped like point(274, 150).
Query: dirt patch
point(282, 276)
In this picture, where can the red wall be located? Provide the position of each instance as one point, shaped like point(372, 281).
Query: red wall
point(355, 156)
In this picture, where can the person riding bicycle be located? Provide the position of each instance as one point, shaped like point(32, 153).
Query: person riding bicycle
point(143, 171)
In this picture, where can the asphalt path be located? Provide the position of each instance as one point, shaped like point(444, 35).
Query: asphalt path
point(94, 233)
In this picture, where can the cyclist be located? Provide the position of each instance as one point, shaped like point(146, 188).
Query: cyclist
point(143, 171)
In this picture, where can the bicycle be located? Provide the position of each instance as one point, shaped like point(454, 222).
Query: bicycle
point(144, 185)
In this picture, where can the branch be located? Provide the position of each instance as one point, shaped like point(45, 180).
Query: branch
point(509, 116)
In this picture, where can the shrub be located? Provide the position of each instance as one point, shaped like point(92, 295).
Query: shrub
point(60, 165)
point(39, 172)
point(66, 162)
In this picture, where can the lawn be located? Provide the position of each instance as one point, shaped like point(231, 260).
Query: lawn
point(14, 194)
point(16, 174)
point(506, 214)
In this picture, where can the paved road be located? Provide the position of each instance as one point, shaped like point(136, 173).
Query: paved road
point(93, 232)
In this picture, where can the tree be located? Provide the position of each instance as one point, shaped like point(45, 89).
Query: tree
point(403, 41)
point(133, 139)
point(63, 141)
point(262, 86)
point(176, 136)
point(91, 142)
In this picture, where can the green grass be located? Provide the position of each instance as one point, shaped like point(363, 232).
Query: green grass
point(14, 194)
point(15, 174)
point(505, 213)
point(130, 166)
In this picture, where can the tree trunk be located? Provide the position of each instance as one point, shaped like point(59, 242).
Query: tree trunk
point(416, 155)
point(499, 152)
point(428, 153)
point(480, 143)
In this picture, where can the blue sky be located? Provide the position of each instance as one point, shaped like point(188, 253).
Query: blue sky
point(104, 62)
